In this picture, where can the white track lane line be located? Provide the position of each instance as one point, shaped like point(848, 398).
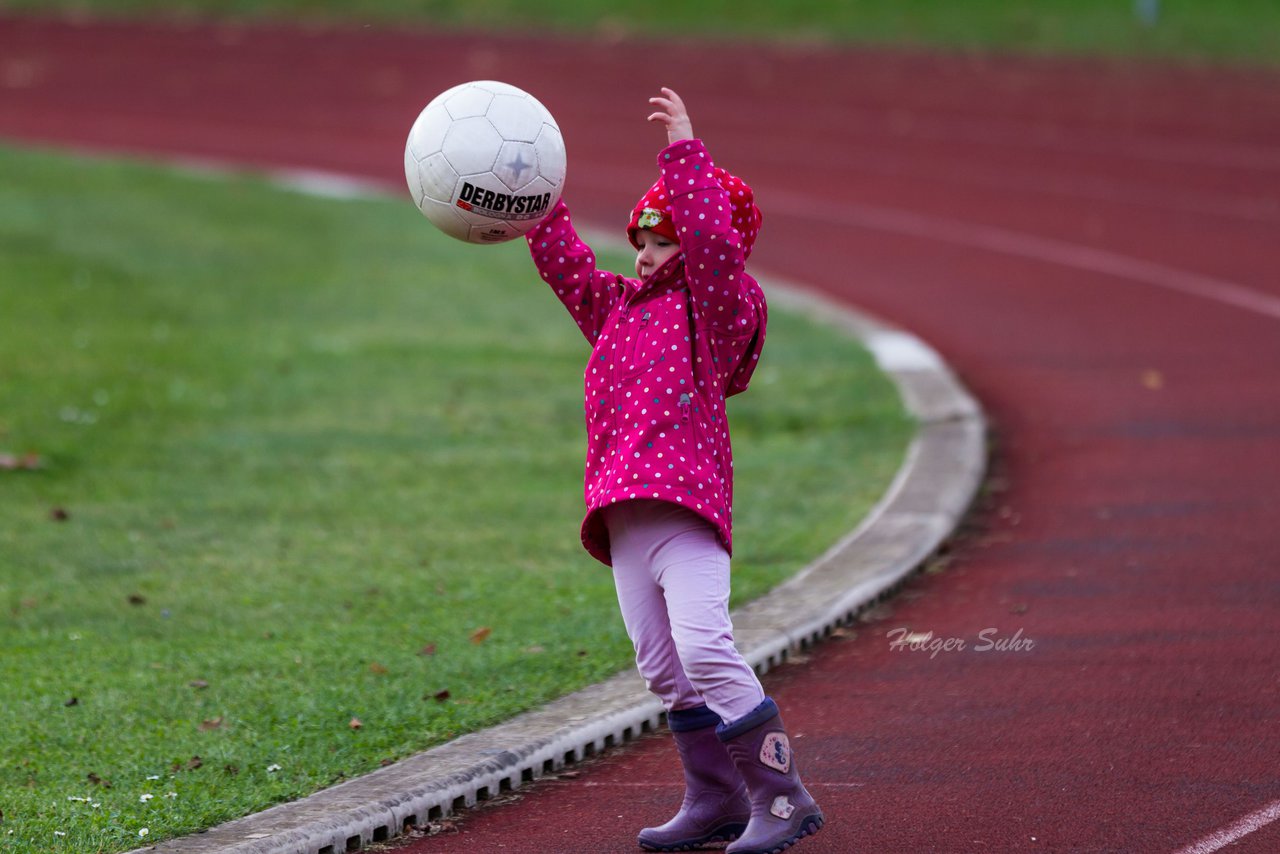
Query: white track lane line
point(1020, 244)
point(915, 124)
point(992, 238)
point(675, 784)
point(1224, 837)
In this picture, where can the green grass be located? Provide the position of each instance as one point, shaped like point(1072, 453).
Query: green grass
point(305, 451)
point(1232, 30)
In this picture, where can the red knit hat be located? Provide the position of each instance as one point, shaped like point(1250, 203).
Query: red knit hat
point(653, 211)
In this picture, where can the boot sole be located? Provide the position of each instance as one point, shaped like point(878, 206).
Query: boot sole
point(811, 825)
point(723, 833)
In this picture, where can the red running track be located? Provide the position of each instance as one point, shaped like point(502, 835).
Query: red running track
point(1092, 245)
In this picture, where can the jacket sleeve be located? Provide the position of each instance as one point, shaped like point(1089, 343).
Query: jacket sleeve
point(726, 302)
point(569, 266)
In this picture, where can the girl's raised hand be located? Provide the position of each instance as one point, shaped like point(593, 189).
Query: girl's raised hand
point(672, 113)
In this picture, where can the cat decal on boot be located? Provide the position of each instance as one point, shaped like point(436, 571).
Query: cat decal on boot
point(782, 810)
point(775, 752)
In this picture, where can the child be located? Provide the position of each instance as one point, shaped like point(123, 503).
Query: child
point(667, 348)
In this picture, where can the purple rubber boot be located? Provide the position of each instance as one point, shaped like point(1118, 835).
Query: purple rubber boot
point(715, 806)
point(782, 812)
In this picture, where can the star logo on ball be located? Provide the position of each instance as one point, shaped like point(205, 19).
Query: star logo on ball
point(518, 166)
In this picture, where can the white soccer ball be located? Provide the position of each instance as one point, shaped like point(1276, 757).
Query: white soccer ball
point(485, 162)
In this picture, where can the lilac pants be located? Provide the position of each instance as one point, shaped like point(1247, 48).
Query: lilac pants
point(672, 577)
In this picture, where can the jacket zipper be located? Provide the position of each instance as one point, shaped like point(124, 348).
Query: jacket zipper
point(634, 355)
point(686, 403)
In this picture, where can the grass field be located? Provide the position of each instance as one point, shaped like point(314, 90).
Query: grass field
point(1225, 30)
point(290, 488)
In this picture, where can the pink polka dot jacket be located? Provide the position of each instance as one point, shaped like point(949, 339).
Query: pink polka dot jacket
point(666, 351)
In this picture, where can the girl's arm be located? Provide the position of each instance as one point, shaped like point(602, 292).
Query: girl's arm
point(569, 266)
point(725, 299)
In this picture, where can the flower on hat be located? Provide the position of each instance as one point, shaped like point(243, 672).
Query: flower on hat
point(649, 218)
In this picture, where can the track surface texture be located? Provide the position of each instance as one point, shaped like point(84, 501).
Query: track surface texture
point(1094, 248)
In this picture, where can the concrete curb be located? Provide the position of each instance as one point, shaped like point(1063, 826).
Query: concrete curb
point(933, 488)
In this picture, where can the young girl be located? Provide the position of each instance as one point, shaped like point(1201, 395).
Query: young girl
point(667, 348)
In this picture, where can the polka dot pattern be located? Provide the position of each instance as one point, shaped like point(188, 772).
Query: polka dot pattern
point(666, 351)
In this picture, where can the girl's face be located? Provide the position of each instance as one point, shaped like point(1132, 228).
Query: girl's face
point(654, 251)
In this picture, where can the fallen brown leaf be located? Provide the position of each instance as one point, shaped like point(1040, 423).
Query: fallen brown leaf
point(25, 462)
point(59, 514)
point(443, 826)
point(190, 765)
point(211, 724)
point(481, 634)
point(379, 669)
point(440, 696)
point(429, 649)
